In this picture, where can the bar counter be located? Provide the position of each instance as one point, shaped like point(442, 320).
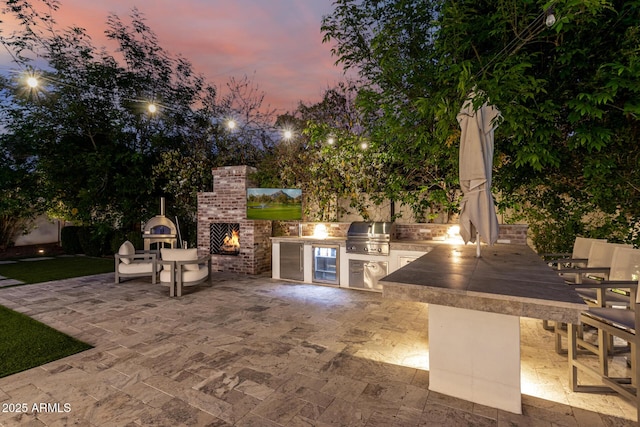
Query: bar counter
point(506, 279)
point(475, 305)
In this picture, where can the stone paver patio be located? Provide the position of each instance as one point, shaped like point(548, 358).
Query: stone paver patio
point(251, 351)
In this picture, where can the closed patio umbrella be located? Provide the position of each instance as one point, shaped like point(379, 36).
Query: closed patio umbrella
point(477, 211)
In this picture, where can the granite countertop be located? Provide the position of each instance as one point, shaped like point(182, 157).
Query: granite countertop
point(310, 239)
point(407, 245)
point(413, 245)
point(507, 279)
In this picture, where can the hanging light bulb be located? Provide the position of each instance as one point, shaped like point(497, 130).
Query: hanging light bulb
point(551, 18)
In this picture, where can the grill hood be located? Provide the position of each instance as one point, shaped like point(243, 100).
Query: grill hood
point(372, 230)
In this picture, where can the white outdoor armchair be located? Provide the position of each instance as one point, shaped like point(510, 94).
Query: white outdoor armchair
point(181, 268)
point(132, 263)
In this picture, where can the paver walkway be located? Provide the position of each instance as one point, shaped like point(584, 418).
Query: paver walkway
point(251, 351)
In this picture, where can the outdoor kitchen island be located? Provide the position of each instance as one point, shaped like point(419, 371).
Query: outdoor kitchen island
point(298, 259)
point(475, 305)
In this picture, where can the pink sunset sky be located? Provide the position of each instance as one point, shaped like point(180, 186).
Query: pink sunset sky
point(276, 43)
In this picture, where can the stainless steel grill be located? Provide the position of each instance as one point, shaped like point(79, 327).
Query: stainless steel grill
point(372, 238)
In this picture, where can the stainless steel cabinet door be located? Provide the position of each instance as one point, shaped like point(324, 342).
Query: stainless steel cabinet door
point(365, 274)
point(291, 261)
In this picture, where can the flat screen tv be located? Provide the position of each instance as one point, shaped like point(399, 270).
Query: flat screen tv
point(274, 203)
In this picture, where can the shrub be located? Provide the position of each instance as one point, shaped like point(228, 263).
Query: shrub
point(633, 235)
point(119, 236)
point(135, 237)
point(95, 240)
point(69, 240)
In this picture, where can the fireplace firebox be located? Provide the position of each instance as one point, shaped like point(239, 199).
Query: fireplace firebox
point(225, 238)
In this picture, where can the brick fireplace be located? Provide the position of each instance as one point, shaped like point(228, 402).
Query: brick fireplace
point(223, 213)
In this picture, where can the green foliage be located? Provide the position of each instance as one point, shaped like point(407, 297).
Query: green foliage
point(70, 240)
point(335, 156)
point(118, 237)
point(21, 187)
point(86, 129)
point(633, 235)
point(410, 157)
point(566, 152)
point(95, 240)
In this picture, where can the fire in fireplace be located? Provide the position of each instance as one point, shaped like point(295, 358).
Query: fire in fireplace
point(225, 238)
point(231, 244)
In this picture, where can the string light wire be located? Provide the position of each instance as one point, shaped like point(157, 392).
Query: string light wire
point(513, 46)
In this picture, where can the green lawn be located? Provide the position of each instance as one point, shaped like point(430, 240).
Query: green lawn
point(56, 269)
point(274, 211)
point(26, 343)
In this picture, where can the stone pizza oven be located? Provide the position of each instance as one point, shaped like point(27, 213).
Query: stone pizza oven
point(235, 243)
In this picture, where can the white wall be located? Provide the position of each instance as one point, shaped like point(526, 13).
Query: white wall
point(44, 230)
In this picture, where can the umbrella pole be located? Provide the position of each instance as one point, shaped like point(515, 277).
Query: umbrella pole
point(477, 245)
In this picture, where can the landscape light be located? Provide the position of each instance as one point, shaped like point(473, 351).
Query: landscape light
point(152, 108)
point(331, 141)
point(364, 145)
point(288, 134)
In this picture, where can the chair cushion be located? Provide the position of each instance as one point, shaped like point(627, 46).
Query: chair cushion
point(591, 294)
point(193, 275)
point(165, 275)
point(614, 316)
point(168, 254)
point(126, 249)
point(187, 275)
point(136, 268)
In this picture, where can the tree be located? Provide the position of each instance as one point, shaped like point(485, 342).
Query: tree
point(567, 93)
point(184, 171)
point(325, 156)
point(87, 127)
point(104, 156)
point(389, 44)
point(252, 134)
point(22, 196)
